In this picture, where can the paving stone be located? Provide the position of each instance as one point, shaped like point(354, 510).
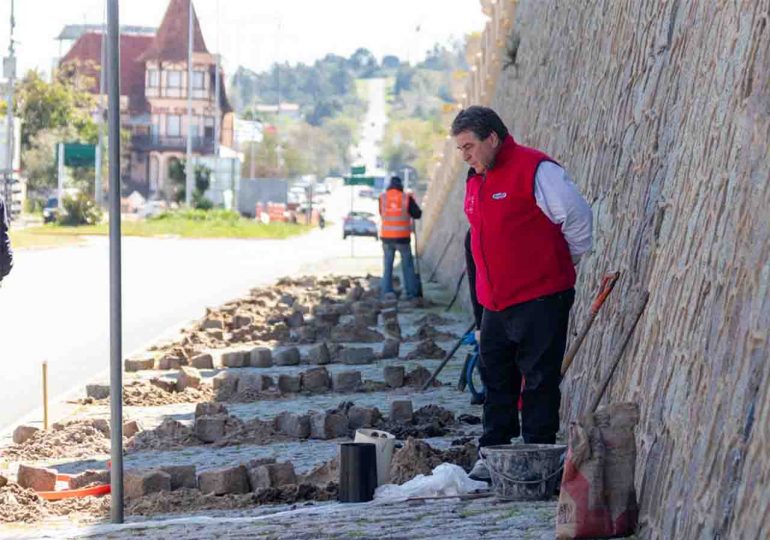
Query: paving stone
point(357, 356)
point(131, 428)
point(305, 334)
point(216, 335)
point(189, 377)
point(272, 475)
point(354, 293)
point(319, 354)
point(392, 330)
point(89, 477)
point(287, 357)
point(254, 382)
point(295, 320)
point(170, 362)
point(239, 321)
point(210, 429)
point(224, 481)
point(202, 361)
point(390, 314)
point(3, 481)
point(293, 425)
point(346, 381)
point(167, 385)
point(98, 391)
point(418, 377)
point(261, 357)
point(351, 332)
point(37, 478)
point(328, 425)
point(316, 380)
point(363, 417)
point(289, 384)
point(210, 409)
point(401, 411)
point(235, 359)
point(23, 433)
point(224, 385)
point(394, 376)
point(182, 476)
point(390, 348)
point(140, 483)
point(139, 363)
point(366, 318)
point(326, 316)
point(212, 323)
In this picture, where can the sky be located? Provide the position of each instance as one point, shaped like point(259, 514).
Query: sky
point(256, 33)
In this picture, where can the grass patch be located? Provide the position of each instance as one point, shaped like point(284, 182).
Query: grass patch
point(31, 238)
point(186, 224)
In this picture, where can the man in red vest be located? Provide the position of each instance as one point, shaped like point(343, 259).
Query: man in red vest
point(397, 209)
point(529, 228)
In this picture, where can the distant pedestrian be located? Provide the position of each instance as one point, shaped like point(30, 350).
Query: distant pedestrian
point(397, 210)
point(6, 254)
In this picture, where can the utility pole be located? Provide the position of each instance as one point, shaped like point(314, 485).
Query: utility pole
point(189, 171)
point(116, 299)
point(10, 73)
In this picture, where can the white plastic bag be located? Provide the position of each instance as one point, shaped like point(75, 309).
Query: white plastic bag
point(445, 480)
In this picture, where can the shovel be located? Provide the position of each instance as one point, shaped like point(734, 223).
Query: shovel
point(417, 263)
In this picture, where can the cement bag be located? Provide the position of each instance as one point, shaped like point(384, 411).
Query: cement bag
point(597, 497)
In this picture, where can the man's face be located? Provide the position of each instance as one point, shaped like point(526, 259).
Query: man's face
point(477, 153)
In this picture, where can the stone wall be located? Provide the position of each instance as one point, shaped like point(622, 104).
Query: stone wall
point(661, 112)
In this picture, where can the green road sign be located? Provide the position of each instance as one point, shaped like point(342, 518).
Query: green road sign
point(358, 170)
point(359, 181)
point(79, 155)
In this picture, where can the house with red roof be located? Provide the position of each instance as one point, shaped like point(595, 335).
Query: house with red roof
point(153, 87)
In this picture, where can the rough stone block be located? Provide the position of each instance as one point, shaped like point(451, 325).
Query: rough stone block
point(391, 348)
point(392, 330)
point(293, 425)
point(212, 323)
point(89, 477)
point(328, 426)
point(235, 359)
point(3, 481)
point(239, 321)
point(102, 425)
point(390, 314)
point(357, 356)
point(131, 428)
point(287, 357)
point(272, 475)
point(223, 481)
point(315, 380)
point(417, 377)
point(182, 476)
point(170, 361)
point(401, 411)
point(394, 376)
point(366, 318)
point(167, 385)
point(98, 391)
point(295, 320)
point(354, 293)
point(346, 381)
point(37, 478)
point(254, 382)
point(210, 429)
point(23, 433)
point(189, 377)
point(261, 357)
point(139, 363)
point(140, 483)
point(210, 409)
point(289, 384)
point(319, 354)
point(203, 361)
point(363, 417)
point(224, 385)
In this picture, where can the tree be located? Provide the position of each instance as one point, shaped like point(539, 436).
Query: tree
point(178, 174)
point(390, 62)
point(363, 63)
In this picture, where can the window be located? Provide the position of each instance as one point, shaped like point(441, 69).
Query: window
point(174, 79)
point(173, 125)
point(198, 79)
point(152, 78)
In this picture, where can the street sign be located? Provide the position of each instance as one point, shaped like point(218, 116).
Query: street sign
point(358, 170)
point(360, 181)
point(79, 155)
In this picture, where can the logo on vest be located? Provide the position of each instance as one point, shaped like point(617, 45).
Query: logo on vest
point(498, 196)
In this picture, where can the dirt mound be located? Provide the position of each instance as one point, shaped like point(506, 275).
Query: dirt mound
point(20, 505)
point(427, 331)
point(144, 394)
point(426, 348)
point(170, 434)
point(428, 421)
point(74, 439)
point(83, 509)
point(418, 457)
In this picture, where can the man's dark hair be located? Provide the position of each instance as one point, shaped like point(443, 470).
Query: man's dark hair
point(396, 183)
point(481, 121)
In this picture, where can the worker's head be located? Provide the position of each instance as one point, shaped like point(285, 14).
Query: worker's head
point(396, 183)
point(478, 132)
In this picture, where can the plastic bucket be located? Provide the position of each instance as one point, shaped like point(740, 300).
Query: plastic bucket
point(358, 472)
point(384, 443)
point(524, 472)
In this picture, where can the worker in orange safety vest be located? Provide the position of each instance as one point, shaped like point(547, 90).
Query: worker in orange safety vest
point(397, 210)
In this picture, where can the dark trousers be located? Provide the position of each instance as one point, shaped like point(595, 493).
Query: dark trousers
point(525, 339)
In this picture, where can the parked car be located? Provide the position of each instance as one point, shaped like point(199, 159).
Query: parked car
point(51, 210)
point(360, 224)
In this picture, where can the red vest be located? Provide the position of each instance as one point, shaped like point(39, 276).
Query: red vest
point(519, 253)
point(394, 212)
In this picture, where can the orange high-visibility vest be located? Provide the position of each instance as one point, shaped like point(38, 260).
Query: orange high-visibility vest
point(394, 210)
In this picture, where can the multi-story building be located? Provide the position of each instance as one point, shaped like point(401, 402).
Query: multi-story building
point(154, 97)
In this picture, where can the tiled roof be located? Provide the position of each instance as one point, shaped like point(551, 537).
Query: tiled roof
point(170, 44)
point(88, 48)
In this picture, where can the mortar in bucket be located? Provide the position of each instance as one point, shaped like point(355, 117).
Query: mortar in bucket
point(524, 472)
point(384, 443)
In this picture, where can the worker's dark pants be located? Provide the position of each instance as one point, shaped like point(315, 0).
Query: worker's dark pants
point(525, 339)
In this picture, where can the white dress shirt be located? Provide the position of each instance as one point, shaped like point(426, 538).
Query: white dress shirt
point(559, 199)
